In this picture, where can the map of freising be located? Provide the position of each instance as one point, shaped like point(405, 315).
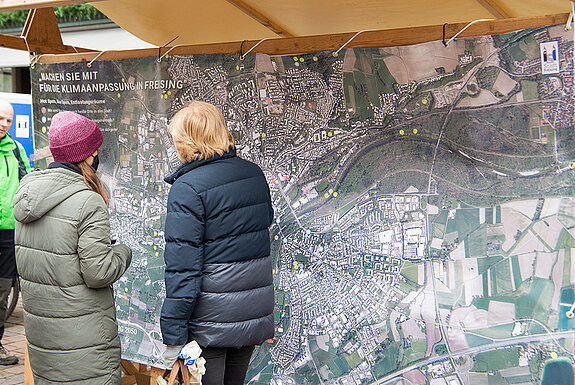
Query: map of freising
point(424, 201)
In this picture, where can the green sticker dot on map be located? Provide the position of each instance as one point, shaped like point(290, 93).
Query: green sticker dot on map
point(44, 129)
point(335, 193)
point(276, 237)
point(424, 101)
point(330, 134)
point(315, 58)
point(415, 130)
point(401, 132)
point(263, 135)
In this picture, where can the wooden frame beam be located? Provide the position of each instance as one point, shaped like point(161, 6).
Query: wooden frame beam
point(260, 18)
point(307, 44)
point(40, 35)
point(19, 5)
point(494, 8)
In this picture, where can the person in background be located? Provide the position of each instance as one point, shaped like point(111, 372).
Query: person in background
point(10, 165)
point(219, 284)
point(67, 262)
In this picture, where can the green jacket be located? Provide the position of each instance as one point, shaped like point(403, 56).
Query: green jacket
point(66, 264)
point(9, 179)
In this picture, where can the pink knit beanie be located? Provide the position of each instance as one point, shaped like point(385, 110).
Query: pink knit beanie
point(73, 137)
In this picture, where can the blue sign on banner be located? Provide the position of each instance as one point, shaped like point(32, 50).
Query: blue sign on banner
point(21, 128)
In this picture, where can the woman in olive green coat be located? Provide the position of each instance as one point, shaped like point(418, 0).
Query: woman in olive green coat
point(67, 262)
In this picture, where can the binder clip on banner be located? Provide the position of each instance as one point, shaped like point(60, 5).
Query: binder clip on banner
point(189, 367)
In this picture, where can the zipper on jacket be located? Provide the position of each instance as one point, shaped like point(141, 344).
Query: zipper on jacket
point(7, 168)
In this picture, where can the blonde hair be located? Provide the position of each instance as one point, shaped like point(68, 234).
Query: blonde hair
point(91, 179)
point(199, 131)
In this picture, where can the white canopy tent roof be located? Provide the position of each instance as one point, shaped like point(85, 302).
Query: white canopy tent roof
point(275, 27)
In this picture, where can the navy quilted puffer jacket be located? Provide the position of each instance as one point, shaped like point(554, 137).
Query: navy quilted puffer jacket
point(219, 287)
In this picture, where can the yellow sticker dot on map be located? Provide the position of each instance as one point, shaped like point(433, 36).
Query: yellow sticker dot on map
point(118, 307)
point(301, 59)
point(424, 101)
point(315, 58)
point(157, 253)
point(330, 190)
point(330, 134)
point(553, 355)
point(264, 135)
point(123, 81)
point(335, 193)
point(295, 264)
point(160, 188)
point(401, 132)
point(155, 247)
point(276, 237)
point(415, 130)
point(273, 271)
point(169, 92)
point(151, 180)
point(155, 233)
point(44, 130)
point(126, 289)
point(295, 58)
point(118, 94)
point(326, 195)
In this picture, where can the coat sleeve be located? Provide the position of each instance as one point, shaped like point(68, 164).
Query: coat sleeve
point(184, 256)
point(101, 264)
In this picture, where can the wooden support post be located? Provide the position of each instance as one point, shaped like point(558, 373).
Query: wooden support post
point(28, 376)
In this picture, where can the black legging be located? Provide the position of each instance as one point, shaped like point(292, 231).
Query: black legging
point(226, 366)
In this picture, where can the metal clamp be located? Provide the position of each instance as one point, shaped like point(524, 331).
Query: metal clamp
point(336, 53)
point(243, 55)
point(89, 65)
point(459, 33)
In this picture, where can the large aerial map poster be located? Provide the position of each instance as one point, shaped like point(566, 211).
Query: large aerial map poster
point(424, 201)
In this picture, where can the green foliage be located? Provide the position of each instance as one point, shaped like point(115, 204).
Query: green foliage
point(64, 13)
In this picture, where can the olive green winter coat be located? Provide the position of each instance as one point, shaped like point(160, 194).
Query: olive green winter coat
point(66, 264)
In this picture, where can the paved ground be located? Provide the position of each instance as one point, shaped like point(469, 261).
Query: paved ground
point(13, 341)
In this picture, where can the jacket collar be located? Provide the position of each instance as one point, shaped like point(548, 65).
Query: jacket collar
point(66, 165)
point(198, 163)
point(7, 143)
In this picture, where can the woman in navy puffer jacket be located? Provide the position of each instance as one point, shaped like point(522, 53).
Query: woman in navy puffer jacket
point(219, 287)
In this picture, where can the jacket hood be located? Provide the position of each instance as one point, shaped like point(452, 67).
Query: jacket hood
point(41, 191)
